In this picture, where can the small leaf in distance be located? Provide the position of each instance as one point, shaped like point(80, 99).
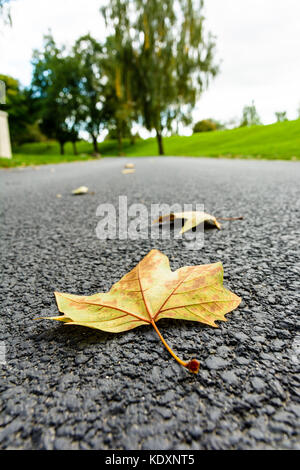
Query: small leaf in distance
point(80, 190)
point(192, 218)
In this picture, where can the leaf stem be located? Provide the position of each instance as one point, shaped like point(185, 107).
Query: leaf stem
point(192, 366)
point(230, 218)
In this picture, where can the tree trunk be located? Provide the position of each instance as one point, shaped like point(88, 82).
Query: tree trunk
point(74, 148)
point(159, 142)
point(62, 148)
point(119, 137)
point(95, 144)
point(132, 138)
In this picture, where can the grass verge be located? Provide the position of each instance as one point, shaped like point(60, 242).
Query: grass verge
point(280, 141)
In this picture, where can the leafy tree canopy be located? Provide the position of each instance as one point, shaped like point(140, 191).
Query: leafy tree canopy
point(281, 116)
point(171, 56)
point(250, 116)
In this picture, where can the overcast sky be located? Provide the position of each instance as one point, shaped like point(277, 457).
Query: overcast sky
point(258, 44)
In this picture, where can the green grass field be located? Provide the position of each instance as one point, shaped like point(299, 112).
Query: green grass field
point(275, 141)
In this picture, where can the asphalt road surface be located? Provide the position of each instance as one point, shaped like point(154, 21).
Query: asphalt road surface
point(78, 388)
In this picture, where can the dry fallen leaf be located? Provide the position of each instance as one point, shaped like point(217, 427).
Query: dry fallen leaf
point(127, 171)
point(193, 218)
point(80, 190)
point(129, 165)
point(152, 291)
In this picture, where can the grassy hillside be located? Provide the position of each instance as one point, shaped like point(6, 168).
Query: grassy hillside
point(275, 141)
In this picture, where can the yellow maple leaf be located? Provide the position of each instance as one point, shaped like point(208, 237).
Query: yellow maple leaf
point(150, 292)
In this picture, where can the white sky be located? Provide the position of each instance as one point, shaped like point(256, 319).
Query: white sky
point(258, 42)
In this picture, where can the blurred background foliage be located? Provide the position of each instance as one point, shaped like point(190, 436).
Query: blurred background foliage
point(149, 72)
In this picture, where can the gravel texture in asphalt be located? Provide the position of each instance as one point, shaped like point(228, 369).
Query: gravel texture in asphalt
point(78, 388)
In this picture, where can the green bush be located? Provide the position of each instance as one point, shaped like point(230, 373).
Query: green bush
point(204, 126)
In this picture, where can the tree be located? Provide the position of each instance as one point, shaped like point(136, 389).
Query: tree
point(71, 80)
point(55, 86)
point(281, 116)
point(172, 58)
point(89, 57)
point(120, 91)
point(250, 116)
point(21, 112)
point(5, 11)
